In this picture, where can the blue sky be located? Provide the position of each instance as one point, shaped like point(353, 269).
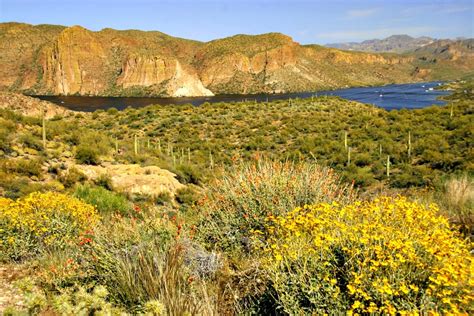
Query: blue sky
point(306, 21)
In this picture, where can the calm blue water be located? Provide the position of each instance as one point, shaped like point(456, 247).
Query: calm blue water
point(396, 96)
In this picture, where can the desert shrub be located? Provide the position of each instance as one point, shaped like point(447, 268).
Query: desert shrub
point(31, 141)
point(188, 174)
point(153, 273)
point(240, 201)
point(105, 201)
point(91, 146)
point(6, 132)
point(162, 198)
point(13, 187)
point(41, 221)
point(186, 195)
point(142, 265)
point(105, 181)
point(27, 167)
point(388, 256)
point(87, 155)
point(80, 300)
point(71, 177)
point(84, 302)
point(112, 111)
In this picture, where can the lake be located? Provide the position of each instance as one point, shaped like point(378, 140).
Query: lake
point(394, 96)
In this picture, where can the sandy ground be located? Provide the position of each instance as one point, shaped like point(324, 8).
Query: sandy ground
point(9, 295)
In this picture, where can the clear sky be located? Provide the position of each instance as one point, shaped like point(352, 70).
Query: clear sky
point(306, 21)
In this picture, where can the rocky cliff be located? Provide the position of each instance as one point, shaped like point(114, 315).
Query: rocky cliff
point(47, 59)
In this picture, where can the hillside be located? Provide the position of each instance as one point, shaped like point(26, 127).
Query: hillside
point(29, 106)
point(75, 61)
point(393, 44)
point(231, 208)
point(439, 58)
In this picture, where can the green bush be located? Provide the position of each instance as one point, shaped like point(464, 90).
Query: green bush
point(87, 155)
point(71, 177)
point(104, 181)
point(187, 196)
point(31, 141)
point(188, 174)
point(162, 198)
point(105, 201)
point(27, 167)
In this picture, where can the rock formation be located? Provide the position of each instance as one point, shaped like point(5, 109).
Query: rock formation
point(47, 59)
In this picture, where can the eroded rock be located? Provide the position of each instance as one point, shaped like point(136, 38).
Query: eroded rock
point(134, 179)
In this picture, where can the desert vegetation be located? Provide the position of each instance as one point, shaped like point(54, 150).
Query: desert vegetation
point(309, 206)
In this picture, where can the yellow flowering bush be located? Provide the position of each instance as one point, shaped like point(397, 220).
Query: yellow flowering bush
point(41, 220)
point(387, 256)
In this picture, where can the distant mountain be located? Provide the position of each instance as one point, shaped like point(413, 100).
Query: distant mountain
point(58, 60)
point(392, 44)
point(442, 56)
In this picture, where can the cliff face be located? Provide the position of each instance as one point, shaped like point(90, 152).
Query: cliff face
point(168, 73)
point(48, 59)
point(74, 63)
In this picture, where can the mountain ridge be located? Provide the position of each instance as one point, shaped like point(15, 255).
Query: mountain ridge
point(398, 43)
point(52, 59)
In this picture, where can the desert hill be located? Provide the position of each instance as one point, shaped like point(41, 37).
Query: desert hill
point(47, 59)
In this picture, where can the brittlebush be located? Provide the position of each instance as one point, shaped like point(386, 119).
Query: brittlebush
point(388, 256)
point(42, 221)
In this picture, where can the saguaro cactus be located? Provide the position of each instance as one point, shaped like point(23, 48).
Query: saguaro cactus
point(135, 144)
point(409, 145)
point(345, 140)
point(388, 166)
point(43, 132)
point(211, 161)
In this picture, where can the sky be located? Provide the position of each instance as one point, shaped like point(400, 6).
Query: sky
point(308, 22)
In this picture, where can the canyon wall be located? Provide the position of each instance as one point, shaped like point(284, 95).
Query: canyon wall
point(58, 60)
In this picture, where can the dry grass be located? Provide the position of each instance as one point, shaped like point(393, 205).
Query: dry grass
point(458, 201)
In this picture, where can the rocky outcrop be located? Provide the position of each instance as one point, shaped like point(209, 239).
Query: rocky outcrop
point(146, 71)
point(134, 179)
point(74, 63)
point(30, 106)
